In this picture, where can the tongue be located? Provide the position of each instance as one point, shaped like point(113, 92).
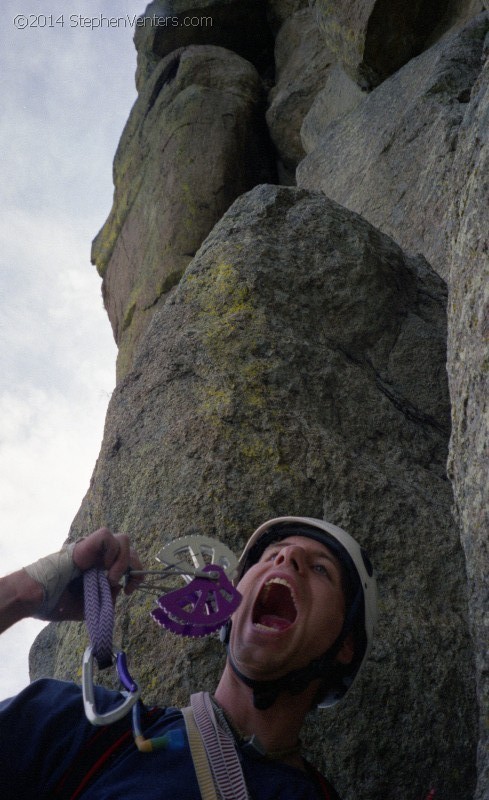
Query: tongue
point(272, 621)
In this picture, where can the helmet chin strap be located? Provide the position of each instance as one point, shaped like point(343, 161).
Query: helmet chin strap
point(265, 693)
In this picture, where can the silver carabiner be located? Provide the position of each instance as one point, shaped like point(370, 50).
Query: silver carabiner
point(130, 696)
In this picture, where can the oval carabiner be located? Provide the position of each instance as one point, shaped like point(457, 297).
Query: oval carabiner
point(130, 697)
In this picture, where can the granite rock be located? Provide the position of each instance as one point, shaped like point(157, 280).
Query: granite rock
point(338, 97)
point(302, 63)
point(468, 365)
point(374, 38)
point(194, 141)
point(391, 158)
point(299, 367)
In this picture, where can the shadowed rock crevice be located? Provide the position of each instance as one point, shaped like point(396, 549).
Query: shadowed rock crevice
point(238, 26)
point(166, 76)
point(375, 38)
point(396, 32)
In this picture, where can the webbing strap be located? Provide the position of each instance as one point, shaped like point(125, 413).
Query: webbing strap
point(221, 750)
point(199, 757)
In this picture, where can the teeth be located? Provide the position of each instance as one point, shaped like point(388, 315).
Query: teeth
point(282, 582)
point(278, 580)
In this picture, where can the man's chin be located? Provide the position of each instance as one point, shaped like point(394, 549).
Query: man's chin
point(256, 665)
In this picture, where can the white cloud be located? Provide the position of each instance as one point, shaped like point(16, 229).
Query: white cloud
point(13, 664)
point(48, 441)
point(66, 94)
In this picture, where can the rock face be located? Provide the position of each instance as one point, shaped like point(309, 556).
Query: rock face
point(374, 38)
point(339, 96)
point(301, 67)
point(283, 356)
point(469, 379)
point(169, 191)
point(391, 158)
point(299, 365)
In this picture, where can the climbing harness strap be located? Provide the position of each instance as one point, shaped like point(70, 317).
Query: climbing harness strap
point(199, 757)
point(223, 758)
point(220, 748)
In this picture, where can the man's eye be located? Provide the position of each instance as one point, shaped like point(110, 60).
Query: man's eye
point(321, 569)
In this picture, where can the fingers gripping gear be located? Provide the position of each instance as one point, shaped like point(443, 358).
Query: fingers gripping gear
point(53, 573)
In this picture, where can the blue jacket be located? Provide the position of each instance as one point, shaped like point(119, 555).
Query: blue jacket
point(44, 732)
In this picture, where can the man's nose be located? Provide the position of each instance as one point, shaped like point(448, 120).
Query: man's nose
point(293, 555)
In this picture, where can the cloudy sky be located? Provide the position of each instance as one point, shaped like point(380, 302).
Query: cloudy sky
point(66, 91)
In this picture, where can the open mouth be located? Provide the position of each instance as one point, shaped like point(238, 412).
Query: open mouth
point(275, 606)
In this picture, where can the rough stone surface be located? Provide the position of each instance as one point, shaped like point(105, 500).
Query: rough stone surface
point(339, 96)
point(374, 38)
point(391, 158)
point(301, 63)
point(194, 141)
point(299, 366)
point(468, 364)
point(43, 653)
point(238, 25)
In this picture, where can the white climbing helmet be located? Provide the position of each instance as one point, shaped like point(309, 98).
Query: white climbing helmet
point(361, 611)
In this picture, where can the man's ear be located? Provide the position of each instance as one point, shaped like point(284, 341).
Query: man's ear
point(346, 651)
